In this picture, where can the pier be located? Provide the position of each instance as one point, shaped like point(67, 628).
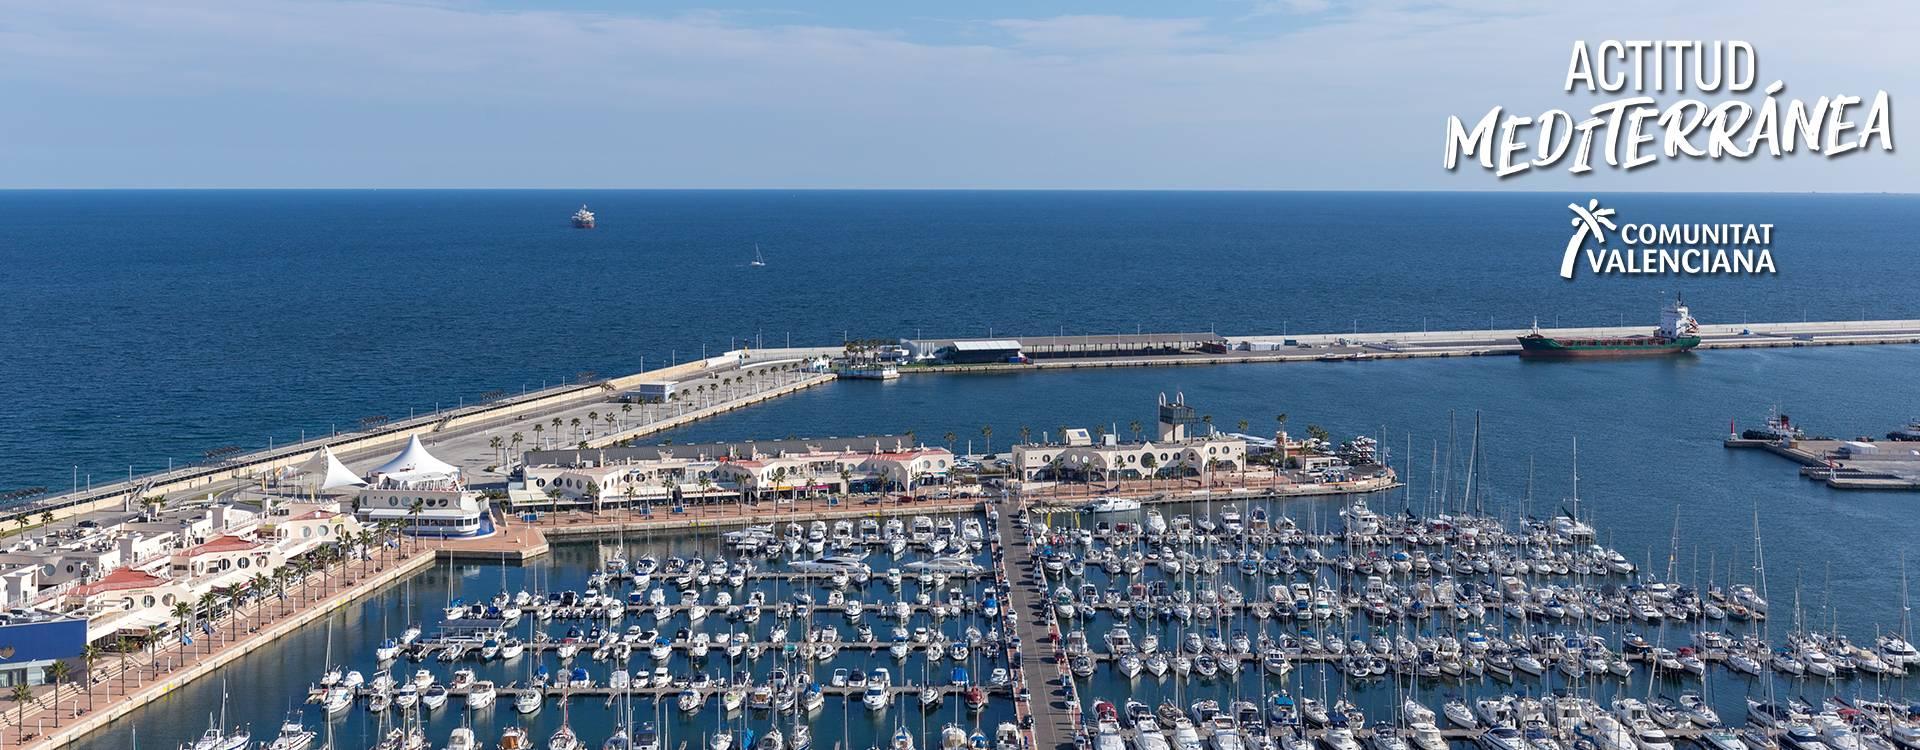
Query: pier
point(1054, 709)
point(1847, 464)
point(1370, 345)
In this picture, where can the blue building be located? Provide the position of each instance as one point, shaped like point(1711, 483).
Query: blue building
point(31, 642)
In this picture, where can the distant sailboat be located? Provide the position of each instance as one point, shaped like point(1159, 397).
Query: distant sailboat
point(758, 260)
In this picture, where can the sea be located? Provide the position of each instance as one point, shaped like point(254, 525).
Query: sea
point(148, 327)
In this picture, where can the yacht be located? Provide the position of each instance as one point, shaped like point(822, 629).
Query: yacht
point(1112, 505)
point(293, 736)
point(583, 219)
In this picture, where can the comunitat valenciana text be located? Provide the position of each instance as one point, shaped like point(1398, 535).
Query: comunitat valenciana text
point(1634, 130)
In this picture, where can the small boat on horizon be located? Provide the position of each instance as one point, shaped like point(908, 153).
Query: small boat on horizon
point(583, 219)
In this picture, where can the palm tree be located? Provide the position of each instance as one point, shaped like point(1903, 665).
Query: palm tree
point(556, 424)
point(89, 654)
point(1149, 463)
point(1280, 438)
point(46, 518)
point(950, 437)
point(537, 429)
point(592, 417)
point(1207, 419)
point(495, 442)
point(206, 605)
point(779, 478)
point(1135, 427)
point(1026, 433)
point(1317, 433)
point(57, 673)
point(575, 423)
point(414, 510)
point(1243, 425)
point(183, 612)
point(986, 431)
point(125, 646)
point(519, 438)
point(22, 694)
point(627, 409)
point(705, 484)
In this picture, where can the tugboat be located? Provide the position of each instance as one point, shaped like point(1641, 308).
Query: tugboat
point(1678, 333)
point(583, 219)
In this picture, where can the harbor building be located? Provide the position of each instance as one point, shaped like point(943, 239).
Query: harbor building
point(125, 577)
point(998, 350)
point(34, 641)
point(1177, 452)
point(726, 472)
point(427, 496)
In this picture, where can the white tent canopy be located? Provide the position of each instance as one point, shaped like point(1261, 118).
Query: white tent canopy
point(325, 472)
point(415, 464)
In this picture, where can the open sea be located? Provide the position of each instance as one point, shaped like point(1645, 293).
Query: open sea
point(139, 326)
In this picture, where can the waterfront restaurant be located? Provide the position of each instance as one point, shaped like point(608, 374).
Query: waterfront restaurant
point(726, 472)
point(424, 495)
point(1079, 459)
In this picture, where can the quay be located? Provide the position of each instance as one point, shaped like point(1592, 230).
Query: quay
point(1847, 464)
point(1052, 715)
point(1173, 350)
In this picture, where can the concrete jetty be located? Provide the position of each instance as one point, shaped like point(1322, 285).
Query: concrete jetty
point(1370, 345)
point(1847, 464)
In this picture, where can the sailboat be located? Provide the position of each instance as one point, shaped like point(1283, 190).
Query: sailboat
point(758, 259)
point(216, 737)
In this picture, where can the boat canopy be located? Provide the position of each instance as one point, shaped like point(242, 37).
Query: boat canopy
point(415, 464)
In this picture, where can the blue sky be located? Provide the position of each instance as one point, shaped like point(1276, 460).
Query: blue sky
point(1227, 94)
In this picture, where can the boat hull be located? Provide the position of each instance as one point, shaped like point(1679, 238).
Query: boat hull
point(1543, 347)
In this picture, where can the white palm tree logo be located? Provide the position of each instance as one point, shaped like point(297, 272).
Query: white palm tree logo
point(1586, 221)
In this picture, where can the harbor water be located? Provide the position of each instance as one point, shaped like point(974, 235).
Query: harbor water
point(196, 320)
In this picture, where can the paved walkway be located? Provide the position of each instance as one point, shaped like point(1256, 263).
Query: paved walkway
point(1056, 713)
point(121, 683)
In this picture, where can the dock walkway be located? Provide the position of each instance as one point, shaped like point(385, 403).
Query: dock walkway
point(1055, 707)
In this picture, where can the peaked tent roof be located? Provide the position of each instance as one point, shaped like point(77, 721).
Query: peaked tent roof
point(325, 472)
point(415, 464)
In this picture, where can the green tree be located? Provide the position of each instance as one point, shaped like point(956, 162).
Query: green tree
point(90, 654)
point(1317, 433)
point(986, 432)
point(58, 673)
point(21, 696)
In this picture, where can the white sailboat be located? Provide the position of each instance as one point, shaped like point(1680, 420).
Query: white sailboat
point(758, 259)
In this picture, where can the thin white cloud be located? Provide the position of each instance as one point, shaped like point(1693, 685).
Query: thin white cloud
point(221, 92)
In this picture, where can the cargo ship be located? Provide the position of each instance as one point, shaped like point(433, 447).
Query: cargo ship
point(1678, 333)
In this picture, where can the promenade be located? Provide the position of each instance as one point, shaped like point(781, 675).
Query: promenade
point(118, 682)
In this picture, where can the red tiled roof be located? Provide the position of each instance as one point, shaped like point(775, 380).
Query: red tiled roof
point(118, 580)
point(223, 543)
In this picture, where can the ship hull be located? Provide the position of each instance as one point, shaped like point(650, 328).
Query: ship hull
point(1542, 347)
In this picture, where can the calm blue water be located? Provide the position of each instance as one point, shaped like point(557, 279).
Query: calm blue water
point(139, 326)
point(146, 325)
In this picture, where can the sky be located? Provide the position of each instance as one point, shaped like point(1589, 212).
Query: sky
point(1124, 94)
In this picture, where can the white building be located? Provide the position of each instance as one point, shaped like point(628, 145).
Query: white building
point(616, 477)
point(425, 495)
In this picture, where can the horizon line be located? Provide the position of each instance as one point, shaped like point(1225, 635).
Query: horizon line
point(184, 189)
